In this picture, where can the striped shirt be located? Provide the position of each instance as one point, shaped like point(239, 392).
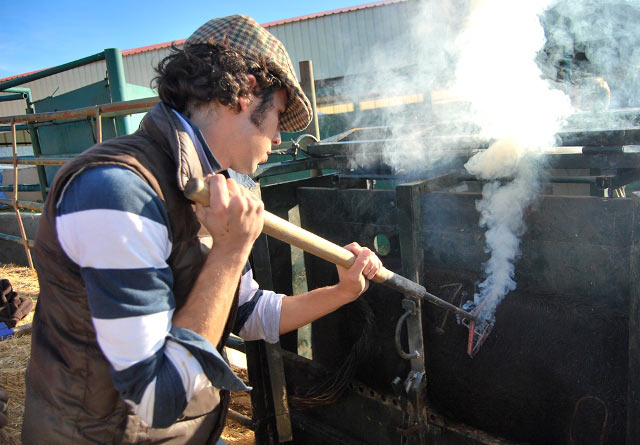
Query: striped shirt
point(114, 226)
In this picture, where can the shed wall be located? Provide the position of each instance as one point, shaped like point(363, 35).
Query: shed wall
point(339, 44)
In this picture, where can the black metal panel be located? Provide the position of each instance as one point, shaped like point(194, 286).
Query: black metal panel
point(574, 245)
point(363, 415)
point(633, 389)
point(279, 199)
point(555, 367)
point(360, 417)
point(343, 216)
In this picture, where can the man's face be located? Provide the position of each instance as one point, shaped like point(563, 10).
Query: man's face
point(255, 140)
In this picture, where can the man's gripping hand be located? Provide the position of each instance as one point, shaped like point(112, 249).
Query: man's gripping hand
point(355, 280)
point(234, 217)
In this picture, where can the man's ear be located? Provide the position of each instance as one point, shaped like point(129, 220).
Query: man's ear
point(252, 82)
point(245, 101)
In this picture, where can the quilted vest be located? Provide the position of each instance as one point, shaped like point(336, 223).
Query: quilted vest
point(70, 394)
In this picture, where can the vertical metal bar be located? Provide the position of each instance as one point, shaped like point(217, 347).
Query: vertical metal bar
point(23, 233)
point(98, 125)
point(633, 385)
point(260, 399)
point(42, 173)
point(35, 141)
point(410, 221)
point(117, 85)
point(37, 152)
point(272, 351)
point(307, 82)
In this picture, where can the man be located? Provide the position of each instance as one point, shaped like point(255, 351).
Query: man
point(138, 292)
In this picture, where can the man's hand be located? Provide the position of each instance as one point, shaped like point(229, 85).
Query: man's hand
point(355, 280)
point(4, 398)
point(305, 308)
point(234, 217)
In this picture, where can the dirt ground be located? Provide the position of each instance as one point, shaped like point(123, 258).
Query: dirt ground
point(14, 356)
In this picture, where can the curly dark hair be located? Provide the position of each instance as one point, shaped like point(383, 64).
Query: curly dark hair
point(202, 73)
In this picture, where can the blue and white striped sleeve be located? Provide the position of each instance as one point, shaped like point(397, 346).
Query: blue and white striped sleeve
point(114, 226)
point(258, 316)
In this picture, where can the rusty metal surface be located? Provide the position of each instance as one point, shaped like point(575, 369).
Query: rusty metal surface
point(16, 239)
point(106, 110)
point(53, 161)
point(31, 205)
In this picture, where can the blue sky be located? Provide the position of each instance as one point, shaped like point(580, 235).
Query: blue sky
point(37, 34)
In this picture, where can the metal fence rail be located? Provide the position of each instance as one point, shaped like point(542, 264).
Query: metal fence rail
point(98, 112)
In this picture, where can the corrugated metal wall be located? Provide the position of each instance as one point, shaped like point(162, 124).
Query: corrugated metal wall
point(57, 84)
point(139, 67)
point(338, 44)
point(138, 71)
point(347, 43)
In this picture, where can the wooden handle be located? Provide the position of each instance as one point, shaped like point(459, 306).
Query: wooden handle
point(198, 191)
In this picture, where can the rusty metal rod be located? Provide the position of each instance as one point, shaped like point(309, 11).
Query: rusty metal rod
point(16, 208)
point(106, 110)
point(16, 239)
point(53, 161)
point(21, 188)
point(31, 205)
point(198, 191)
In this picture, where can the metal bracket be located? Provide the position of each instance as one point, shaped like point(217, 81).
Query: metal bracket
point(414, 382)
point(410, 309)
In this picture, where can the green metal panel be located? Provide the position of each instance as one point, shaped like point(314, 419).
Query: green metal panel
point(137, 92)
point(58, 139)
point(69, 138)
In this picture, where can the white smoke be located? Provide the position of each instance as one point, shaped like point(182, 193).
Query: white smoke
point(502, 210)
point(513, 104)
point(593, 52)
point(416, 62)
point(511, 71)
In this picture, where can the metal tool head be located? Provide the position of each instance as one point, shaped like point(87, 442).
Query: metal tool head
point(478, 333)
point(479, 329)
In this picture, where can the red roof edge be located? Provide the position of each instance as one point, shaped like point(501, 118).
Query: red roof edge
point(335, 11)
point(17, 76)
point(144, 49)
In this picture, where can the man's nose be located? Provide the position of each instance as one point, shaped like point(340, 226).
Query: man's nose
point(276, 140)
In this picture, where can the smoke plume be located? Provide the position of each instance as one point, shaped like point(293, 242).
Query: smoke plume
point(512, 72)
point(514, 105)
point(502, 210)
